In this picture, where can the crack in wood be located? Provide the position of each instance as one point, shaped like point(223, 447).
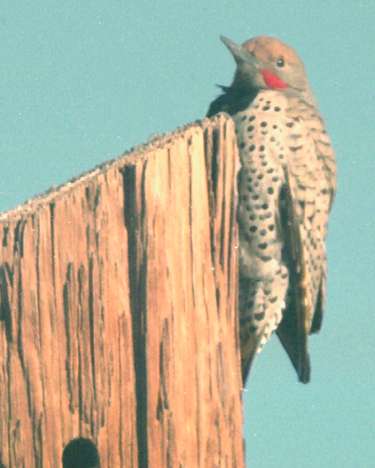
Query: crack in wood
point(134, 214)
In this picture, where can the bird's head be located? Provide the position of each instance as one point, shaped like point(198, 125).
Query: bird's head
point(267, 63)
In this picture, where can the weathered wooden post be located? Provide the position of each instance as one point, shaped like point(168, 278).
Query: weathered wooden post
point(118, 312)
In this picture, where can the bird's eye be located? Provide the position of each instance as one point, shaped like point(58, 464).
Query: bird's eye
point(280, 62)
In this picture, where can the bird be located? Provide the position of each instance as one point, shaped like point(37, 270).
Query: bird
point(286, 187)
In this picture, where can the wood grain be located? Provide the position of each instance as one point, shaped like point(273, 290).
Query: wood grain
point(118, 310)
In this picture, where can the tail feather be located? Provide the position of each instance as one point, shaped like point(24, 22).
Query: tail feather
point(248, 351)
point(295, 344)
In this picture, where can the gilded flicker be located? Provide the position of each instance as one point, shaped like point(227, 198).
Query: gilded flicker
point(286, 186)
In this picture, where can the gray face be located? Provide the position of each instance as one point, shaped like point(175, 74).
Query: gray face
point(256, 59)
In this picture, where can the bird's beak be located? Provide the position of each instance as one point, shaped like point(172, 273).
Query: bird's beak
point(240, 54)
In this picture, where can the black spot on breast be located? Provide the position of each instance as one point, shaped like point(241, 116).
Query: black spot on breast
point(277, 109)
point(263, 124)
point(259, 316)
point(270, 190)
point(251, 118)
point(295, 148)
point(263, 245)
point(252, 147)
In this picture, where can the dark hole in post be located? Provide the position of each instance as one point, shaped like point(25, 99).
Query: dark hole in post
point(80, 453)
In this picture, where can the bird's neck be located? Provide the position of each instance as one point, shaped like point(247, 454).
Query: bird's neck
point(305, 95)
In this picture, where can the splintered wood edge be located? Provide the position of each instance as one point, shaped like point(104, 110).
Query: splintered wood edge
point(133, 155)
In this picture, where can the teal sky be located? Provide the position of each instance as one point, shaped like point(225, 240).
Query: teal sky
point(80, 82)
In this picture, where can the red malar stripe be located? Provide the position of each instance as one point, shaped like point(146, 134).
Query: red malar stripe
point(273, 81)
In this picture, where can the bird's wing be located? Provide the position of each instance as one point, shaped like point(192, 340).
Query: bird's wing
point(304, 207)
point(326, 157)
point(292, 330)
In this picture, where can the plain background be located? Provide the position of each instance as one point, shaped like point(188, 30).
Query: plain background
point(80, 82)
